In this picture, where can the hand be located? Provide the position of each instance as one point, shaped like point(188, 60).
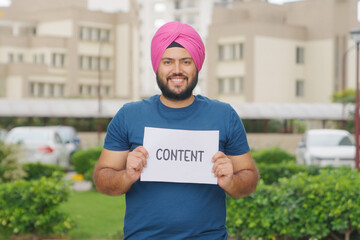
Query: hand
point(223, 170)
point(136, 161)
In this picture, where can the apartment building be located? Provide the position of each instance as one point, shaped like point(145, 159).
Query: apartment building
point(58, 48)
point(155, 13)
point(295, 52)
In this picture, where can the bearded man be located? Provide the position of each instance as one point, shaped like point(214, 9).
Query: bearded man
point(167, 210)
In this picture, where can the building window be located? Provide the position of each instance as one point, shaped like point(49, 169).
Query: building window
point(89, 90)
point(241, 50)
point(20, 58)
point(299, 91)
point(221, 52)
point(58, 60)
point(61, 90)
point(107, 91)
point(51, 90)
point(231, 85)
point(10, 57)
point(232, 52)
point(42, 59)
point(221, 85)
point(300, 55)
point(41, 89)
point(32, 89)
point(177, 4)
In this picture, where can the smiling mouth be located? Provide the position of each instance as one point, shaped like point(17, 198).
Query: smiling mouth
point(177, 79)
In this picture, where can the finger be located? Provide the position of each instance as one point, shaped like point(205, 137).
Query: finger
point(218, 155)
point(142, 150)
point(221, 161)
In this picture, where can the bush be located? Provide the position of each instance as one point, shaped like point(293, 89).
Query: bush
point(272, 155)
point(37, 170)
point(31, 207)
point(84, 160)
point(271, 173)
point(300, 207)
point(10, 168)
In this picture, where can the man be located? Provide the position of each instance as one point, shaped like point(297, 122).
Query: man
point(163, 210)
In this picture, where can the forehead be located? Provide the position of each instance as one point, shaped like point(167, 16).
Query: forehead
point(176, 53)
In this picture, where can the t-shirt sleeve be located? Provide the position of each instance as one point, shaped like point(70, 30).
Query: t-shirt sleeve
point(237, 143)
point(116, 137)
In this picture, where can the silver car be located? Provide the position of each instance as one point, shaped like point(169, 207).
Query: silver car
point(326, 147)
point(40, 144)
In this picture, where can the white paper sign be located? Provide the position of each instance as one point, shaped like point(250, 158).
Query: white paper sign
point(180, 155)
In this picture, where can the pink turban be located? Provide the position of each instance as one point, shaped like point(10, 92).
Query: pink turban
point(184, 35)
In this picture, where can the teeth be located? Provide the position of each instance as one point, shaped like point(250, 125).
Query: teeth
point(177, 80)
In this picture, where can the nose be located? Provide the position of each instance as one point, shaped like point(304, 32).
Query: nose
point(177, 67)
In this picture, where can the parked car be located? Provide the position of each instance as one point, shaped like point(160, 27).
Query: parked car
point(69, 136)
point(326, 147)
point(40, 144)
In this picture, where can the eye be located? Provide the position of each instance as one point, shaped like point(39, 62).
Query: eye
point(167, 62)
point(187, 62)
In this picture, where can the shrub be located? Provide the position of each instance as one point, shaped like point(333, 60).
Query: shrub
point(84, 160)
point(37, 170)
point(271, 173)
point(302, 206)
point(31, 207)
point(272, 155)
point(10, 168)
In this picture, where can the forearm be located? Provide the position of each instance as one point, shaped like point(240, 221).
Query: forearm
point(243, 183)
point(111, 182)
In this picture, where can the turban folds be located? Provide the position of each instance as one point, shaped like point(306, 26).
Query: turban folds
point(181, 33)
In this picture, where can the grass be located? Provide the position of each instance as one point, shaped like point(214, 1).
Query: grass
point(98, 216)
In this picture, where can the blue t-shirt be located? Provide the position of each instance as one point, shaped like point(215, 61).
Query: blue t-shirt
point(160, 210)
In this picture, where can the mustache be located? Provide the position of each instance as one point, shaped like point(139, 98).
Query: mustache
point(177, 75)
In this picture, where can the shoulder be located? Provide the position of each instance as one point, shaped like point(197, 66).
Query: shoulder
point(137, 106)
point(213, 103)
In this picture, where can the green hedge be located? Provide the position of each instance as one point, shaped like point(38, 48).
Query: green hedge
point(300, 207)
point(271, 173)
point(10, 168)
point(32, 207)
point(272, 155)
point(84, 160)
point(37, 170)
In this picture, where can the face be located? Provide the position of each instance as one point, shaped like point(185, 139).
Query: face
point(177, 75)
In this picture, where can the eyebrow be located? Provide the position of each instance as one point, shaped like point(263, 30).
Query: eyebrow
point(169, 58)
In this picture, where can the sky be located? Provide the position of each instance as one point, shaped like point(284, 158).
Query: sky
point(114, 5)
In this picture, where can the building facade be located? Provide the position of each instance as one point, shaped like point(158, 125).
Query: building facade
point(58, 48)
point(261, 52)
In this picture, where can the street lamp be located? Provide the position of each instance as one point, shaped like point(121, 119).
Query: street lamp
point(355, 35)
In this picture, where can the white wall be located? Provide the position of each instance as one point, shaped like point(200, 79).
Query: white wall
point(62, 28)
point(319, 71)
point(123, 63)
point(276, 71)
point(14, 87)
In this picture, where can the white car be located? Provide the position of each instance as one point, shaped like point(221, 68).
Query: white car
point(40, 144)
point(326, 147)
point(69, 136)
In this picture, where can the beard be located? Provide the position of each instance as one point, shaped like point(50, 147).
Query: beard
point(185, 94)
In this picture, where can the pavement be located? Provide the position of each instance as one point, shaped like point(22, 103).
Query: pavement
point(79, 184)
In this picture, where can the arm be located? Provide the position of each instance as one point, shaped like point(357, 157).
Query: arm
point(116, 171)
point(237, 175)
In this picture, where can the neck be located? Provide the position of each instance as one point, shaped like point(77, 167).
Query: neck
point(177, 103)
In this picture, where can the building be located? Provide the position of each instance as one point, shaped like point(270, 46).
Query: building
point(155, 13)
point(58, 48)
point(261, 52)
